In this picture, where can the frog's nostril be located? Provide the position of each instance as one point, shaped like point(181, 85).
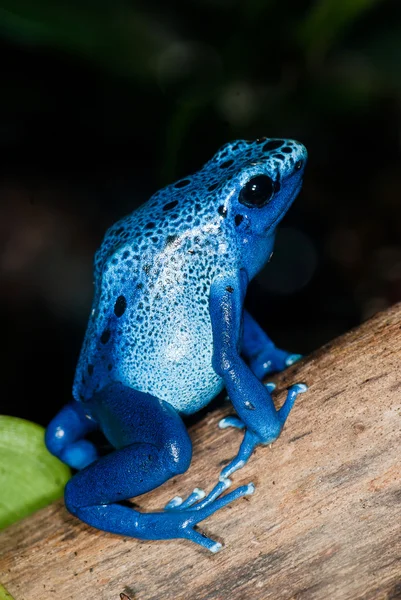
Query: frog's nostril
point(300, 149)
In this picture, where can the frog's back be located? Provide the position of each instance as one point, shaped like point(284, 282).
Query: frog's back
point(150, 326)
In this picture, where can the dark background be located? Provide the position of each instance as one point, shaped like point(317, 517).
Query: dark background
point(102, 103)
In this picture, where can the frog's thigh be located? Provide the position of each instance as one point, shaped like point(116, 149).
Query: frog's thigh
point(152, 446)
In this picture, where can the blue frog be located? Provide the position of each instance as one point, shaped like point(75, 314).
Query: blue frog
point(168, 331)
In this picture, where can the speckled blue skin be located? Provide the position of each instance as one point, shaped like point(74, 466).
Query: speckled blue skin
point(168, 331)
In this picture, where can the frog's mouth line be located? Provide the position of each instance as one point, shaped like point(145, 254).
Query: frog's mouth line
point(282, 213)
point(276, 220)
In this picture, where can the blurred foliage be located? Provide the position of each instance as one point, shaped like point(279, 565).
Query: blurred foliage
point(30, 477)
point(109, 33)
point(104, 102)
point(327, 21)
point(256, 63)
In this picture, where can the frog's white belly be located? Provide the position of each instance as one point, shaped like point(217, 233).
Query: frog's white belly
point(170, 355)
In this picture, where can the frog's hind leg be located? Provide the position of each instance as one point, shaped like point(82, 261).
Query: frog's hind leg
point(65, 433)
point(152, 445)
point(263, 356)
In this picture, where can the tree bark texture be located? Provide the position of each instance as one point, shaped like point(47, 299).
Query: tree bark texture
point(323, 523)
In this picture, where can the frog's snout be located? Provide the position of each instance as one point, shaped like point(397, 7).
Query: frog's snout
point(300, 155)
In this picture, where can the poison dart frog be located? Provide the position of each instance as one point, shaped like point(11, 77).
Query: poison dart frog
point(168, 331)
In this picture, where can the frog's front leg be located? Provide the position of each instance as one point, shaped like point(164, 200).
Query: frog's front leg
point(260, 351)
point(252, 400)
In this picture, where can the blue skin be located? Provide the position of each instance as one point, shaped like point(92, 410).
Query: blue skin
point(168, 331)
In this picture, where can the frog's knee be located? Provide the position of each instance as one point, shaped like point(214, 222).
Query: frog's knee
point(178, 455)
point(71, 499)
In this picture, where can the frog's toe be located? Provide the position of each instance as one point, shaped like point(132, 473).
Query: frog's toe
point(177, 503)
point(215, 500)
point(215, 495)
point(174, 503)
point(216, 492)
point(203, 540)
point(231, 421)
point(270, 386)
point(292, 358)
point(198, 500)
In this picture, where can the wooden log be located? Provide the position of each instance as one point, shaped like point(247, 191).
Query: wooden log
point(324, 522)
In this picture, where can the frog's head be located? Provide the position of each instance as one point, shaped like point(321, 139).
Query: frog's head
point(257, 183)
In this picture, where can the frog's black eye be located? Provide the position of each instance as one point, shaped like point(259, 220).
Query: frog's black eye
point(298, 165)
point(257, 192)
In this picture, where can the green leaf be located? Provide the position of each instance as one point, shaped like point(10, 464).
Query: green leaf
point(30, 477)
point(4, 595)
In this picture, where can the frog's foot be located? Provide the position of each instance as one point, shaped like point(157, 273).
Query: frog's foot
point(201, 510)
point(198, 500)
point(292, 358)
point(177, 503)
point(251, 439)
point(231, 421)
point(234, 421)
point(168, 524)
point(248, 445)
point(272, 360)
point(292, 393)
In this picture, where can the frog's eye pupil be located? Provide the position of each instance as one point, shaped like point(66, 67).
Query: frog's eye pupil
point(257, 192)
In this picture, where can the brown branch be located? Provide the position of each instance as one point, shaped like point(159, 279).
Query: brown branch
point(324, 522)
